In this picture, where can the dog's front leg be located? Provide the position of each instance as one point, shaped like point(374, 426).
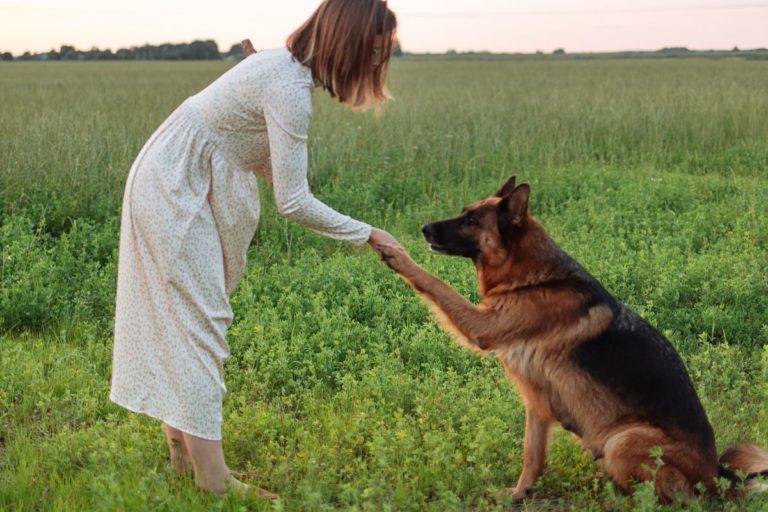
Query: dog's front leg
point(534, 453)
point(476, 326)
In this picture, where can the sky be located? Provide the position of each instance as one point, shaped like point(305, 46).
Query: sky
point(424, 25)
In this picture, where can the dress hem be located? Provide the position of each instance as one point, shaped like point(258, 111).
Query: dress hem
point(170, 422)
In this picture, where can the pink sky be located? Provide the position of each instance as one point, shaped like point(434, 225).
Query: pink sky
point(425, 25)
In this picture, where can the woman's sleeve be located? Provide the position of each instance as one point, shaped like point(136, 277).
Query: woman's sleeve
point(287, 117)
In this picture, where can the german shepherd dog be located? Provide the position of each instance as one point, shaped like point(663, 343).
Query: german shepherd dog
point(577, 355)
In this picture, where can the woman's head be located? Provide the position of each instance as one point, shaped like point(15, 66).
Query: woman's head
point(347, 45)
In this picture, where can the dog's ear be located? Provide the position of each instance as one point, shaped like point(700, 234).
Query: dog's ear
point(507, 188)
point(513, 209)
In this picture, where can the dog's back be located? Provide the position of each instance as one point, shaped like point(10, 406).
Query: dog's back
point(642, 369)
point(635, 361)
point(638, 365)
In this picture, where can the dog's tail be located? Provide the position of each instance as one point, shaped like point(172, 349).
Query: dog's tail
point(749, 459)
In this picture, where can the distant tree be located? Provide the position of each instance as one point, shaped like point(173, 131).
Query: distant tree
point(6, 56)
point(202, 50)
point(68, 52)
point(735, 49)
point(397, 50)
point(674, 49)
point(93, 54)
point(235, 52)
point(559, 51)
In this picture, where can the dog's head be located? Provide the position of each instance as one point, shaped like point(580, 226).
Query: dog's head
point(486, 230)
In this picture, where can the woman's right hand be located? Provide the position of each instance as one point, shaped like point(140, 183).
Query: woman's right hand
point(380, 237)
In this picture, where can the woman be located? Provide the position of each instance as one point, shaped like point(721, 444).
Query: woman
point(191, 208)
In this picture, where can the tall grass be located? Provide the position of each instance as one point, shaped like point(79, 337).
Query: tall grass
point(342, 392)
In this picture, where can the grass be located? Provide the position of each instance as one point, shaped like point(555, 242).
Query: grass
point(343, 394)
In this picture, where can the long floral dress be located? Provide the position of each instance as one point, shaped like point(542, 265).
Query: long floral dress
point(190, 210)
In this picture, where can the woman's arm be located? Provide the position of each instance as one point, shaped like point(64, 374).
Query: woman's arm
point(287, 116)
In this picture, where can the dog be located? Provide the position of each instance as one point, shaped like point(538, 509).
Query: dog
point(577, 355)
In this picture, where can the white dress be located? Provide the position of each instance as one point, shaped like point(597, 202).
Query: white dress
point(190, 210)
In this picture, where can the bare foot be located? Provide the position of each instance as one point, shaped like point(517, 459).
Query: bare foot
point(243, 489)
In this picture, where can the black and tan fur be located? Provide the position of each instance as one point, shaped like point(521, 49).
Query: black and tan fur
point(578, 356)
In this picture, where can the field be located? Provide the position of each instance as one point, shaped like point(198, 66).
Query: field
point(343, 394)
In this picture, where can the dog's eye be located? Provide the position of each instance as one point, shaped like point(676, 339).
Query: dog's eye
point(470, 220)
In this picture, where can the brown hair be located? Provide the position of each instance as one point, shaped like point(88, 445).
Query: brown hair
point(337, 42)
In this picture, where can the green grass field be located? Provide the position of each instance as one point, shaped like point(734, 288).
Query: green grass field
point(343, 394)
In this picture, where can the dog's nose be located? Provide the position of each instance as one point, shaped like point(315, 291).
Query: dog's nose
point(428, 230)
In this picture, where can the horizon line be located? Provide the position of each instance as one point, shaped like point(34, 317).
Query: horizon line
point(449, 51)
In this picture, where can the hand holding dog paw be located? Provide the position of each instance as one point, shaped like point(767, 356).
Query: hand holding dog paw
point(380, 237)
point(390, 251)
point(395, 257)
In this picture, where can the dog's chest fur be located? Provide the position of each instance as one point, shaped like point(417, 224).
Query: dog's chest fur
point(524, 360)
point(554, 387)
point(535, 371)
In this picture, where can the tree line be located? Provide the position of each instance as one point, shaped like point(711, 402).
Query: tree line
point(196, 50)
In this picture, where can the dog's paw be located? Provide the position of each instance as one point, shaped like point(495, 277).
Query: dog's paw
point(517, 494)
point(395, 257)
